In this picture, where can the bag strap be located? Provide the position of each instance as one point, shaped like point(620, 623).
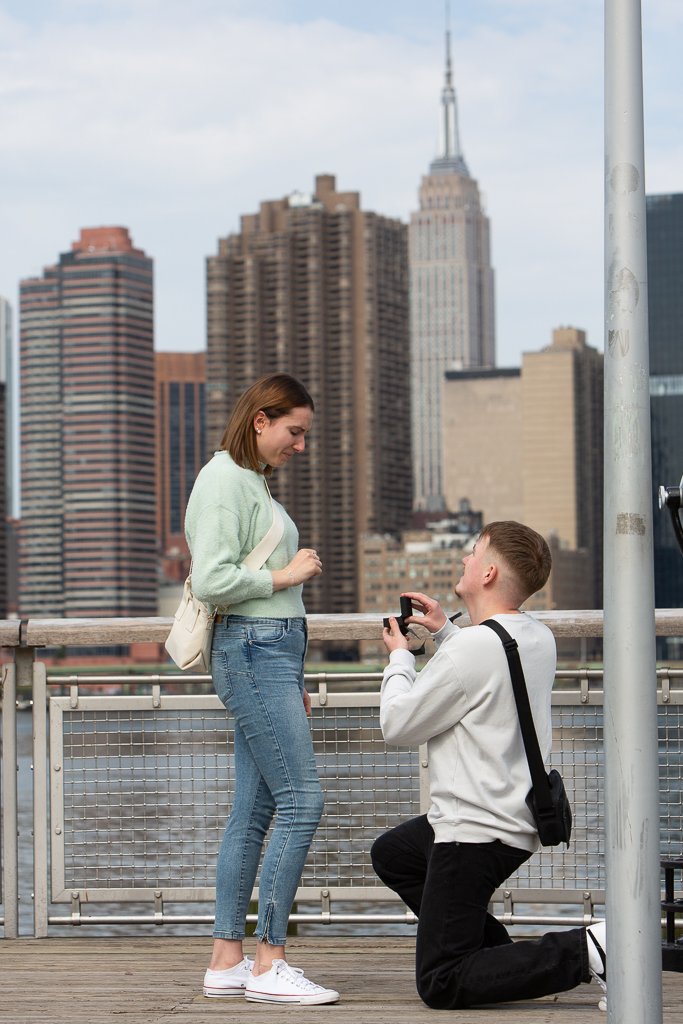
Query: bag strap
point(539, 776)
point(265, 547)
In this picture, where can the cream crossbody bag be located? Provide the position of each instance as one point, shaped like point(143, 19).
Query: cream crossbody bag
point(189, 641)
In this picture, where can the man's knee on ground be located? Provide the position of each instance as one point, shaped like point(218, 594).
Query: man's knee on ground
point(434, 992)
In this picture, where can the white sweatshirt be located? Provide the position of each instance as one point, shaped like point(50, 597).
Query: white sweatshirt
point(462, 705)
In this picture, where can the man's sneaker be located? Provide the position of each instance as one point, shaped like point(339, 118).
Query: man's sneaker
point(285, 984)
point(596, 935)
point(231, 982)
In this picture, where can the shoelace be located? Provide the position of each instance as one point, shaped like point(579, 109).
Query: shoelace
point(297, 977)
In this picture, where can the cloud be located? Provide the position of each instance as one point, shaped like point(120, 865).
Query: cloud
point(174, 119)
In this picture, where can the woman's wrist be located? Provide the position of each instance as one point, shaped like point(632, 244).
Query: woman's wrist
point(283, 578)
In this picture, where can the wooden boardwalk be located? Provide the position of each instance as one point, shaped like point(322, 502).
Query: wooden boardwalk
point(158, 981)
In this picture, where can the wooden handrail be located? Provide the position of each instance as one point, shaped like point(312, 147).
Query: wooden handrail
point(87, 632)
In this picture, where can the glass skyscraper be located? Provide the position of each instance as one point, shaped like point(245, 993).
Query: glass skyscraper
point(665, 304)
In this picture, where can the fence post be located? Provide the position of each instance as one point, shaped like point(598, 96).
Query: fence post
point(10, 825)
point(40, 801)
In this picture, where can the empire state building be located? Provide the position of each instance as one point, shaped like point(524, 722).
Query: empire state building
point(451, 294)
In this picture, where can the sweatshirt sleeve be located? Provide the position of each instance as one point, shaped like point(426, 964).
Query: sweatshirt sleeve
point(447, 630)
point(416, 707)
point(218, 578)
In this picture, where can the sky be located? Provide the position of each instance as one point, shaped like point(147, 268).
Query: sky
point(174, 118)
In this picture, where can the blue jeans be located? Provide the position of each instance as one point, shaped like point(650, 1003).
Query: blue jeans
point(464, 956)
point(258, 666)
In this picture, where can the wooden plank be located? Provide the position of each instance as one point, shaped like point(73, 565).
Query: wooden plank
point(91, 980)
point(63, 632)
point(9, 632)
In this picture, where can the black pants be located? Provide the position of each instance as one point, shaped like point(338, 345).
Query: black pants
point(464, 956)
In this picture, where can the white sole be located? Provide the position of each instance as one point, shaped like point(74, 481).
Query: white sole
point(229, 994)
point(321, 1000)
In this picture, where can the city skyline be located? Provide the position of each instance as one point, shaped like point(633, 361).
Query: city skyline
point(192, 134)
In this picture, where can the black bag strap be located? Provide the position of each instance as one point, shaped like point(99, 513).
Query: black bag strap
point(539, 776)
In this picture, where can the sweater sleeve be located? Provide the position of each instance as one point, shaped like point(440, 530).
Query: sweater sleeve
point(416, 707)
point(218, 578)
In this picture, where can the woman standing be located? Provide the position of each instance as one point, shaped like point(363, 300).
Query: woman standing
point(257, 666)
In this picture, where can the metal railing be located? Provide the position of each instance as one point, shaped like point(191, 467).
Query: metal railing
point(131, 793)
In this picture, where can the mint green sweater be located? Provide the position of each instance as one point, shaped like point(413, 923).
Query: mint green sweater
point(227, 514)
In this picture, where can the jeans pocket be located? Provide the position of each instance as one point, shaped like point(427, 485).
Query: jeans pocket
point(262, 634)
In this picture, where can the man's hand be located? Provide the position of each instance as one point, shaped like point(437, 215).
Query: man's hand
point(394, 639)
point(432, 615)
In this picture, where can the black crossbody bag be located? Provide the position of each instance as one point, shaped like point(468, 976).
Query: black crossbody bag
point(547, 799)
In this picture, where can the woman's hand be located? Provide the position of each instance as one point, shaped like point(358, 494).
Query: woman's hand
point(303, 567)
point(307, 702)
point(432, 615)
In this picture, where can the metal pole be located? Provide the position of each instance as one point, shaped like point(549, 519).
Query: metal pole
point(634, 941)
point(40, 803)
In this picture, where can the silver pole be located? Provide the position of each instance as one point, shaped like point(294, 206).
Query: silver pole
point(634, 941)
point(40, 802)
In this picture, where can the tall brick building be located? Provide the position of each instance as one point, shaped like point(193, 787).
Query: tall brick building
point(317, 287)
point(87, 538)
point(180, 451)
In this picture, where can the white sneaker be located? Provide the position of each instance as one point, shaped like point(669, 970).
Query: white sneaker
point(231, 982)
point(596, 935)
point(285, 984)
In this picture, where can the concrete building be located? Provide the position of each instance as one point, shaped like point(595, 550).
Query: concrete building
point(452, 320)
point(87, 544)
point(665, 326)
point(482, 457)
point(180, 451)
point(528, 445)
point(317, 287)
point(428, 560)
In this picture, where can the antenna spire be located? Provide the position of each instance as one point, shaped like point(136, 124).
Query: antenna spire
point(450, 158)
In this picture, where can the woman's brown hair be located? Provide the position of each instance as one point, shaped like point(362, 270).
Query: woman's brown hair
point(276, 394)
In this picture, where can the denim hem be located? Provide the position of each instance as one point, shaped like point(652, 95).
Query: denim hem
point(235, 937)
point(264, 934)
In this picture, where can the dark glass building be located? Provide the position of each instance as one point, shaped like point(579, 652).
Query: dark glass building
point(665, 297)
